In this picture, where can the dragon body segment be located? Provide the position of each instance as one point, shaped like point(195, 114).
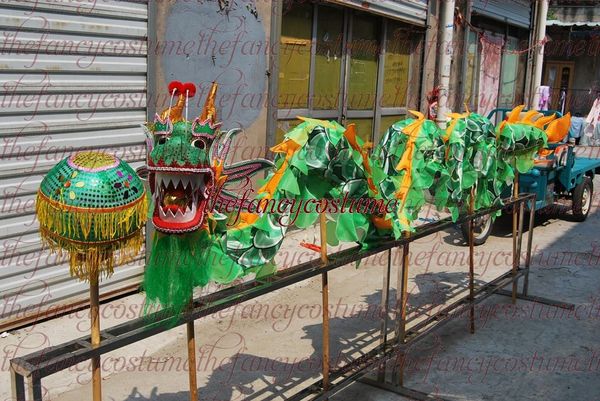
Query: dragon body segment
point(320, 166)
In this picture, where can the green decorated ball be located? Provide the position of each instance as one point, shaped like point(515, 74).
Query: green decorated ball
point(91, 197)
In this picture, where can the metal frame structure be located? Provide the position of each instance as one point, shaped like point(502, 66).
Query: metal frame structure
point(38, 365)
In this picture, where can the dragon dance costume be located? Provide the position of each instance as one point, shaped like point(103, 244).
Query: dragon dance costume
point(190, 173)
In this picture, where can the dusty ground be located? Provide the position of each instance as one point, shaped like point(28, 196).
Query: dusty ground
point(268, 348)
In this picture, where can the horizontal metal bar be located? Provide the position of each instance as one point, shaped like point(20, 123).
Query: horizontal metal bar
point(415, 333)
point(401, 390)
point(539, 300)
point(393, 111)
point(360, 113)
point(54, 359)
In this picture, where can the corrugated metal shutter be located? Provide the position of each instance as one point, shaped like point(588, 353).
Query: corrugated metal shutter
point(513, 12)
point(72, 76)
point(411, 11)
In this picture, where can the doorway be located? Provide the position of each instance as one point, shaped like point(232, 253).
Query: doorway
point(558, 75)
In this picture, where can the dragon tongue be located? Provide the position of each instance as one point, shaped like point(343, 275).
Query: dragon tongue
point(175, 200)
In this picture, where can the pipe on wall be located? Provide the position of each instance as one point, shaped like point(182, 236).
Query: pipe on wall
point(445, 60)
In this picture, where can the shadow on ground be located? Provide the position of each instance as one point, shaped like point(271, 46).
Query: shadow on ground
point(351, 336)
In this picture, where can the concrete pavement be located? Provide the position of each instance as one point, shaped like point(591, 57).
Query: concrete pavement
point(270, 347)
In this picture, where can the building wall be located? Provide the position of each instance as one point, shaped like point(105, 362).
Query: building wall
point(226, 42)
point(580, 45)
point(481, 85)
point(200, 42)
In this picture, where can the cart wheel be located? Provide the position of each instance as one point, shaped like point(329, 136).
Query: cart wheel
point(482, 228)
point(582, 199)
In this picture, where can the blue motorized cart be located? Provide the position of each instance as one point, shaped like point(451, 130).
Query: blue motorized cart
point(565, 175)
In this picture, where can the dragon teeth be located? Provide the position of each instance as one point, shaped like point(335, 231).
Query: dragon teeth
point(191, 181)
point(184, 180)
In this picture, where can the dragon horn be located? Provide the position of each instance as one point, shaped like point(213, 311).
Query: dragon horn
point(558, 128)
point(528, 117)
point(174, 113)
point(543, 121)
point(514, 114)
point(420, 116)
point(209, 112)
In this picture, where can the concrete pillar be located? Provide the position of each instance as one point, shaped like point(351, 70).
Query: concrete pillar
point(445, 60)
point(538, 54)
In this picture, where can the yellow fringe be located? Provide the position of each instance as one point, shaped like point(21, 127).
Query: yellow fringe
point(99, 225)
point(93, 261)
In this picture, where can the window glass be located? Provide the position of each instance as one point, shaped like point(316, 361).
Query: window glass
point(510, 64)
point(490, 69)
point(364, 48)
point(522, 70)
point(328, 60)
point(364, 127)
point(294, 56)
point(470, 84)
point(388, 121)
point(283, 127)
point(397, 60)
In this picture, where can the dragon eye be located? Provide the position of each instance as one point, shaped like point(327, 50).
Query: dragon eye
point(199, 143)
point(162, 140)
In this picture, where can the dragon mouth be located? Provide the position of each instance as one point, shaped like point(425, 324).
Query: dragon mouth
point(180, 200)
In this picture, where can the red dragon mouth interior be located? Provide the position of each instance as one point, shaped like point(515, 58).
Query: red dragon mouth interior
point(180, 199)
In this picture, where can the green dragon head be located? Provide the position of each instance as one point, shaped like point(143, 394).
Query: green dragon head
point(187, 163)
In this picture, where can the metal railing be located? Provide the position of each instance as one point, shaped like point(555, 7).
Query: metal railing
point(38, 365)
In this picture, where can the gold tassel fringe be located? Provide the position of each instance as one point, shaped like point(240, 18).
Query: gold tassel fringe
point(96, 239)
point(96, 225)
point(91, 261)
